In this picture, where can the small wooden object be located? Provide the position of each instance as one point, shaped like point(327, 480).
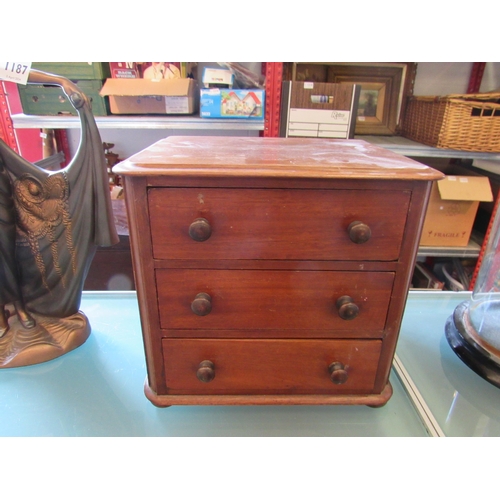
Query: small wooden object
point(272, 270)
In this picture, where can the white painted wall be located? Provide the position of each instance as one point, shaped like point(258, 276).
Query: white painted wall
point(491, 77)
point(442, 78)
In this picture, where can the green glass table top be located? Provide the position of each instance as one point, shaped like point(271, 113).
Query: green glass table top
point(463, 403)
point(97, 390)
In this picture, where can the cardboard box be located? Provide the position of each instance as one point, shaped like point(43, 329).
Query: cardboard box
point(312, 109)
point(452, 209)
point(140, 96)
point(217, 78)
point(232, 103)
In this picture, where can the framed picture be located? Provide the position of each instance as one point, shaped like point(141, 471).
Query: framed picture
point(371, 102)
point(384, 90)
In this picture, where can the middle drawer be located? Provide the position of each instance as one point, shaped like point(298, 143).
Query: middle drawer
point(263, 299)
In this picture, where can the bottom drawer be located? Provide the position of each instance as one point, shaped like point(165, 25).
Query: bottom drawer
point(200, 366)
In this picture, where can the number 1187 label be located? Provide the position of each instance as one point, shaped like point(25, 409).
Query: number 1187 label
point(16, 72)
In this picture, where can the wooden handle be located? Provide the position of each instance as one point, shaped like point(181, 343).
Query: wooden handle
point(206, 371)
point(200, 230)
point(338, 374)
point(347, 308)
point(359, 232)
point(202, 304)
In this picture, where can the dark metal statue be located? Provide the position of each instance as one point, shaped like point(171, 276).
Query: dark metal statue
point(50, 226)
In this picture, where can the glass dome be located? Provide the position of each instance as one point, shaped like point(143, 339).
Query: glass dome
point(473, 331)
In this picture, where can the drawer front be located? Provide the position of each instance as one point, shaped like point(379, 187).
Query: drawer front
point(211, 299)
point(270, 366)
point(295, 224)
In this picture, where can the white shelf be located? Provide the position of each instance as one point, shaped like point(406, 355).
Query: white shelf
point(138, 122)
point(472, 250)
point(407, 147)
point(401, 145)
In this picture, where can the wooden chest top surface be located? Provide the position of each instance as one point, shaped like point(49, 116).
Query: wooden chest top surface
point(273, 157)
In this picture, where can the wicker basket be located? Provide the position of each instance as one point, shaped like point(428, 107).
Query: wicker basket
point(466, 122)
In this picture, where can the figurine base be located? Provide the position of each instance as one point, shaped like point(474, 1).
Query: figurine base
point(50, 338)
point(461, 337)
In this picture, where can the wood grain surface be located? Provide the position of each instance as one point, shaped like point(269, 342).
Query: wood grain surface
point(304, 224)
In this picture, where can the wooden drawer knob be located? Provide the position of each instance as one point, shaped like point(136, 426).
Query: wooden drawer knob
point(338, 374)
point(202, 304)
point(200, 230)
point(206, 371)
point(359, 232)
point(347, 308)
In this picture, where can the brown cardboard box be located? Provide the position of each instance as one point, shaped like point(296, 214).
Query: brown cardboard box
point(139, 96)
point(452, 209)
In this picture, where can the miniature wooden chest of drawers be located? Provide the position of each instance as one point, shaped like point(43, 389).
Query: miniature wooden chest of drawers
point(271, 270)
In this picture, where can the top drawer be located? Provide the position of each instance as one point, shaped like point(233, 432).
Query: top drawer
point(295, 224)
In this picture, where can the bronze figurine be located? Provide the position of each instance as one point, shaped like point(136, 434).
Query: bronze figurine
point(51, 223)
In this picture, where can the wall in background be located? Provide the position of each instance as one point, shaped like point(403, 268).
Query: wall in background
point(442, 78)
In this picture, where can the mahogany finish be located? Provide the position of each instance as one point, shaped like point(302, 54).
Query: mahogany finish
point(271, 366)
point(272, 271)
point(288, 224)
point(200, 229)
point(206, 371)
point(338, 373)
point(268, 299)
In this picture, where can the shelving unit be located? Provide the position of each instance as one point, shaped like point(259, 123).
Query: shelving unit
point(407, 147)
point(398, 144)
point(268, 127)
point(472, 250)
point(151, 122)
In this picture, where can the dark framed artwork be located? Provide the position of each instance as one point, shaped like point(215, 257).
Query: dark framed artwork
point(384, 90)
